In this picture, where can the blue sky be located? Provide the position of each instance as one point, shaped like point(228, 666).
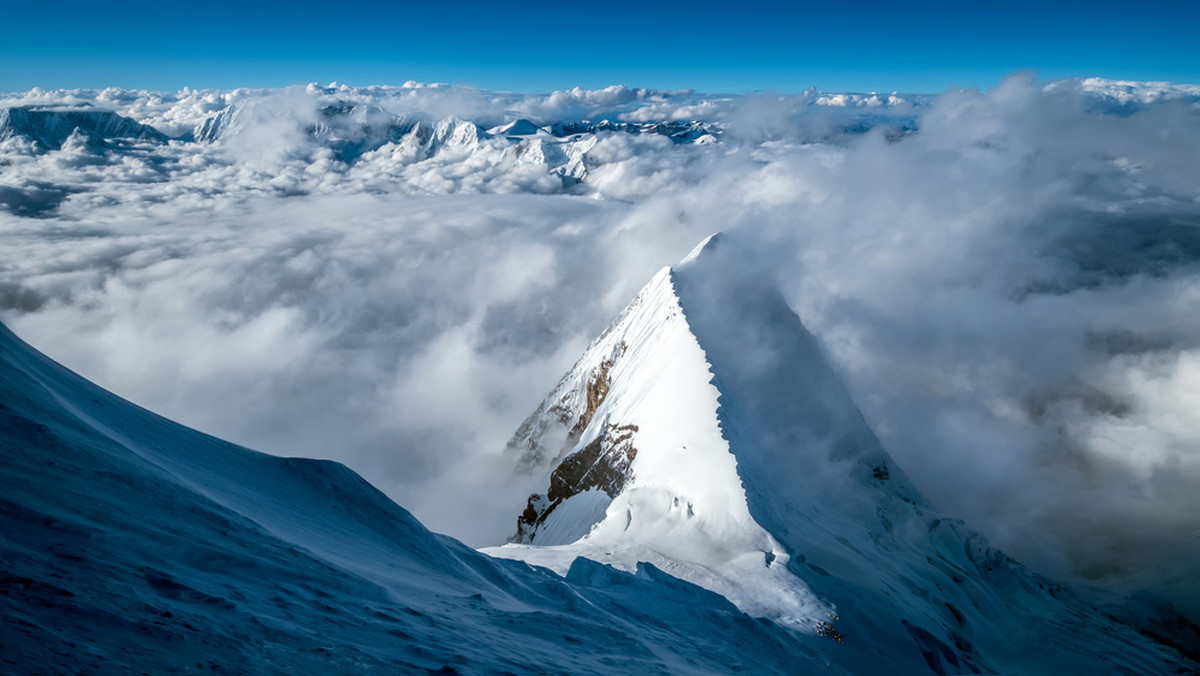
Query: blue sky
point(535, 46)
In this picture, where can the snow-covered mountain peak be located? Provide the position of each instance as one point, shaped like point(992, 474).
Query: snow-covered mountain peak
point(518, 127)
point(646, 455)
point(457, 132)
point(631, 449)
point(704, 432)
point(49, 127)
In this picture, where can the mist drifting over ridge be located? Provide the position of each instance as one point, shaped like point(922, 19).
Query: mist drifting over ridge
point(1007, 280)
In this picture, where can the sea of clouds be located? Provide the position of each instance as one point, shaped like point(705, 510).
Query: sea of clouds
point(1008, 280)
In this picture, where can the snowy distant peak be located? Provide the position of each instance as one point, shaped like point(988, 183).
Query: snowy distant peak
point(679, 131)
point(690, 131)
point(518, 127)
point(224, 123)
point(213, 127)
point(49, 127)
point(352, 129)
point(349, 130)
point(455, 132)
point(1127, 93)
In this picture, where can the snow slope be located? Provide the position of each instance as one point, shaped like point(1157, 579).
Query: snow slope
point(132, 544)
point(704, 432)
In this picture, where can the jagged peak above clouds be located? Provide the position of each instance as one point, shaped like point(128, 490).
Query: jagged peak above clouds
point(743, 338)
point(705, 249)
point(705, 432)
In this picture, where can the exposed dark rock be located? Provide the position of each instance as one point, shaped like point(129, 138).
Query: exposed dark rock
point(605, 463)
point(597, 390)
point(529, 438)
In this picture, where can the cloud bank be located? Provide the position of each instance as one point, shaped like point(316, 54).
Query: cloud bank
point(1008, 280)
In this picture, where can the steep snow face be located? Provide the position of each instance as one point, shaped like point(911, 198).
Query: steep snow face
point(457, 134)
point(705, 432)
point(566, 159)
point(813, 468)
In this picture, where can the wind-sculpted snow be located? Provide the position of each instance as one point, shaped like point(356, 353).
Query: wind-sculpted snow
point(1004, 279)
point(757, 477)
point(134, 544)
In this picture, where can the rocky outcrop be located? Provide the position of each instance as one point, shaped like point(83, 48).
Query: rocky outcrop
point(604, 464)
point(575, 401)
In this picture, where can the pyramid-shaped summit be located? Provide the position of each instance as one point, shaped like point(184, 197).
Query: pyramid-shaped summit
point(705, 432)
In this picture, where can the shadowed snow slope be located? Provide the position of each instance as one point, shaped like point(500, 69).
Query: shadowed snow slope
point(133, 544)
point(705, 432)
